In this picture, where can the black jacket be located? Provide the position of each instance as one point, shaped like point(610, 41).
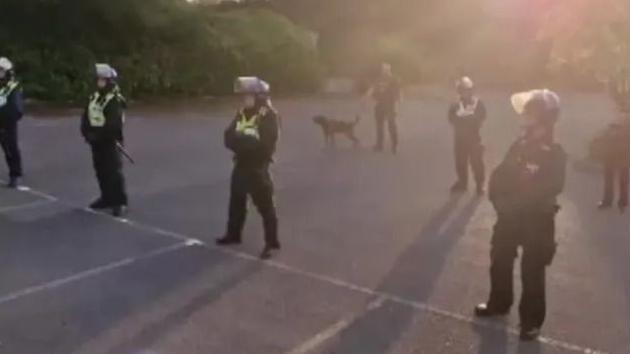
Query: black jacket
point(112, 131)
point(386, 92)
point(612, 146)
point(13, 110)
point(250, 151)
point(467, 127)
point(529, 179)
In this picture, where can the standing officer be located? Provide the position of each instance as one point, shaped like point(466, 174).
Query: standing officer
point(467, 116)
point(386, 94)
point(612, 150)
point(102, 128)
point(11, 111)
point(252, 136)
point(619, 87)
point(523, 190)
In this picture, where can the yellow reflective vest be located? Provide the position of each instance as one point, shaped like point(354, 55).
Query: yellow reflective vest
point(6, 91)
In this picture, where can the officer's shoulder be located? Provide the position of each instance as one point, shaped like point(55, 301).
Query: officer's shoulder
point(268, 112)
point(557, 151)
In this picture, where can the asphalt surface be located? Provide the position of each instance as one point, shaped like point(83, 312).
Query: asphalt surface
point(377, 257)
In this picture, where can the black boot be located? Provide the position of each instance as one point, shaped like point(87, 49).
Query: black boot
point(458, 187)
point(484, 310)
point(268, 251)
point(228, 240)
point(529, 334)
point(119, 211)
point(603, 205)
point(14, 183)
point(623, 204)
point(99, 204)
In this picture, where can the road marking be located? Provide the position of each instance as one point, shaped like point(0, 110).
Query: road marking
point(25, 206)
point(421, 306)
point(92, 272)
point(338, 327)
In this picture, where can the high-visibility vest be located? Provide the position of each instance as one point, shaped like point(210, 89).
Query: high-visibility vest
point(96, 108)
point(467, 110)
point(249, 126)
point(6, 91)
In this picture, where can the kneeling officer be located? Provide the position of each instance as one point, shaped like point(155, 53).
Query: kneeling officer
point(252, 136)
point(523, 190)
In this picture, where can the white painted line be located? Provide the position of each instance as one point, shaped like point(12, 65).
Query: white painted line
point(129, 222)
point(338, 282)
point(90, 273)
point(25, 206)
point(37, 193)
point(330, 332)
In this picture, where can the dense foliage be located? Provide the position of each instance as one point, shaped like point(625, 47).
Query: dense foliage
point(575, 42)
point(172, 47)
point(160, 47)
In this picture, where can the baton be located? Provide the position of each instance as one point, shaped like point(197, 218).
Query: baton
point(124, 152)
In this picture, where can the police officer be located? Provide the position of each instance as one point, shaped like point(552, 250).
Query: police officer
point(252, 137)
point(523, 190)
point(11, 111)
point(386, 93)
point(612, 149)
point(102, 128)
point(619, 89)
point(467, 116)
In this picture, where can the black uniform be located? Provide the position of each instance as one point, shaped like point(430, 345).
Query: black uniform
point(467, 119)
point(251, 177)
point(386, 93)
point(10, 113)
point(619, 88)
point(105, 154)
point(612, 149)
point(523, 190)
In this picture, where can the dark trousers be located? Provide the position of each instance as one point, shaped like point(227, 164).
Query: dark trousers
point(257, 184)
point(389, 117)
point(108, 168)
point(9, 143)
point(536, 238)
point(613, 173)
point(469, 153)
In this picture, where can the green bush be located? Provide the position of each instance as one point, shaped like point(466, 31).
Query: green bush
point(159, 47)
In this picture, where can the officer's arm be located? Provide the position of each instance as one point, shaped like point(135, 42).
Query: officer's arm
point(229, 136)
point(554, 182)
point(399, 91)
point(501, 185)
point(481, 112)
point(85, 124)
point(113, 120)
point(17, 104)
point(269, 133)
point(452, 114)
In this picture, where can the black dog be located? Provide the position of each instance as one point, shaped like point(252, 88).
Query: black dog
point(332, 127)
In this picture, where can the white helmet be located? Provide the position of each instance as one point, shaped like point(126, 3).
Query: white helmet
point(464, 83)
point(251, 85)
point(105, 71)
point(6, 64)
point(545, 100)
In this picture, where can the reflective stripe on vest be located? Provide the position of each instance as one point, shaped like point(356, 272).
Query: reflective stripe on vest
point(249, 126)
point(6, 91)
point(96, 109)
